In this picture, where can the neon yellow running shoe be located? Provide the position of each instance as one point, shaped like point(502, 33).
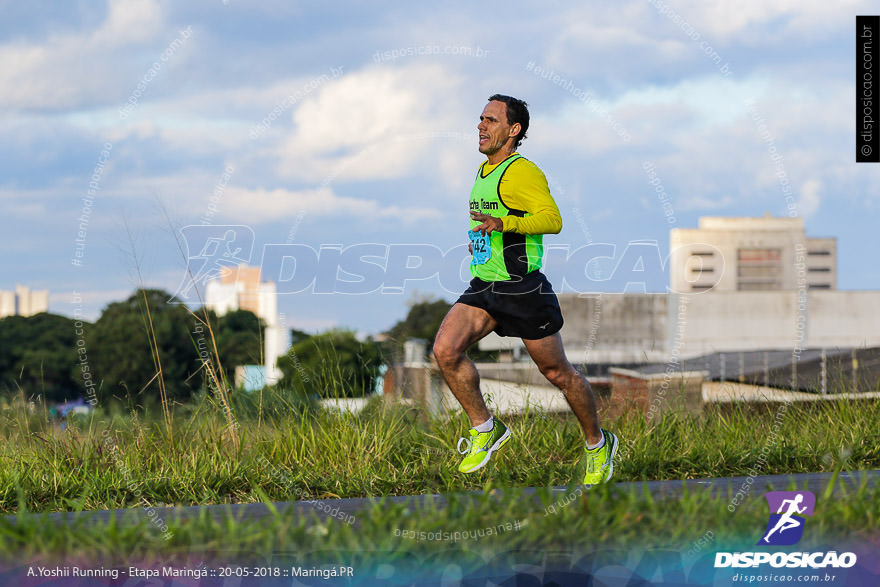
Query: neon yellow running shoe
point(481, 445)
point(600, 461)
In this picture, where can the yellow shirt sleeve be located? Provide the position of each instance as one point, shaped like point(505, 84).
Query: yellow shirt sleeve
point(524, 187)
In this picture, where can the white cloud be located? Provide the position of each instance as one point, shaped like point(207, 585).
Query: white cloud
point(615, 44)
point(694, 202)
point(129, 21)
point(809, 200)
point(392, 143)
point(713, 151)
point(71, 68)
point(377, 123)
point(729, 20)
point(32, 207)
point(708, 99)
point(260, 205)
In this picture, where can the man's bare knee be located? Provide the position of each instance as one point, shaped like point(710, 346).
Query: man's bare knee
point(440, 352)
point(445, 354)
point(560, 376)
point(555, 375)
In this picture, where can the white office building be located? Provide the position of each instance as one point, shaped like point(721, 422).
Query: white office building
point(241, 288)
point(750, 254)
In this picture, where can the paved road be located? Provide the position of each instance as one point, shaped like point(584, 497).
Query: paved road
point(340, 509)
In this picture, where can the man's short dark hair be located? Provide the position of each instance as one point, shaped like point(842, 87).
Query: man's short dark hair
point(517, 111)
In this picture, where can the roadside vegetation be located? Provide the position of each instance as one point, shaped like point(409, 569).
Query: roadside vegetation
point(206, 443)
point(281, 447)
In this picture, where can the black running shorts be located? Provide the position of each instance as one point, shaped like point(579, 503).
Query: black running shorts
point(527, 308)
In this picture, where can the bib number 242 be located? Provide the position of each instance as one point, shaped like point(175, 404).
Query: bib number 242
point(482, 248)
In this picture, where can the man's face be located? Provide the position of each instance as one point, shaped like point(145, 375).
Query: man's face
point(493, 128)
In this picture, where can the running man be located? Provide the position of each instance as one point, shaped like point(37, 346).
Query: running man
point(511, 208)
point(786, 521)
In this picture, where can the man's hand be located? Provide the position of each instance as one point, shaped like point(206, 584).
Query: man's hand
point(489, 223)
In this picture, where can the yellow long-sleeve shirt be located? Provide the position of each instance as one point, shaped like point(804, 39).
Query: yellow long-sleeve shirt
point(524, 187)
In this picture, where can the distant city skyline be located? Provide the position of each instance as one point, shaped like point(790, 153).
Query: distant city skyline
point(22, 301)
point(351, 125)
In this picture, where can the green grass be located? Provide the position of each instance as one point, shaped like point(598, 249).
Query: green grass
point(281, 450)
point(125, 461)
point(605, 518)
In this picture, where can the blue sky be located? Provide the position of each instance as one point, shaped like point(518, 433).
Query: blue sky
point(354, 125)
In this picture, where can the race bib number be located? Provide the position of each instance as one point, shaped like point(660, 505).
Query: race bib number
point(482, 248)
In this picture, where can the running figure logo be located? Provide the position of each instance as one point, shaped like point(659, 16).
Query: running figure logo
point(786, 524)
point(209, 250)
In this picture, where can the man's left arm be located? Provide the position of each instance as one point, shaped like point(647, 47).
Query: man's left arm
point(524, 187)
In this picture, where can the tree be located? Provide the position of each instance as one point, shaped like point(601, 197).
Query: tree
point(298, 335)
point(121, 346)
point(239, 337)
point(422, 321)
point(332, 364)
point(38, 354)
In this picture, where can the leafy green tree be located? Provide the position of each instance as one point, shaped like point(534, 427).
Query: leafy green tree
point(422, 321)
point(121, 346)
point(331, 364)
point(239, 337)
point(298, 335)
point(38, 355)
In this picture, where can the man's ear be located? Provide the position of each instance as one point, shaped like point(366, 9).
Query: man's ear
point(514, 130)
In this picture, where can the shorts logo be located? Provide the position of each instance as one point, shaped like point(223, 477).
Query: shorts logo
point(786, 524)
